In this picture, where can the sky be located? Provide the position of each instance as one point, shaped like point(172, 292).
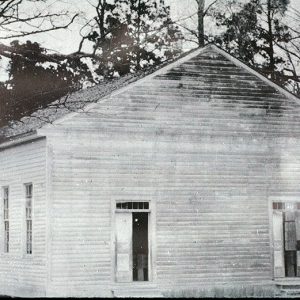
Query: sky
point(67, 41)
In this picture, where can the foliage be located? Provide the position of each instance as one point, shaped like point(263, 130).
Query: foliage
point(127, 35)
point(130, 35)
point(256, 33)
point(36, 79)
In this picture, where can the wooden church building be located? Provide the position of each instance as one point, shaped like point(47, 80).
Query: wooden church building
point(185, 180)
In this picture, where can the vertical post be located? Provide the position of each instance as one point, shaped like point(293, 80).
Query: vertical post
point(297, 221)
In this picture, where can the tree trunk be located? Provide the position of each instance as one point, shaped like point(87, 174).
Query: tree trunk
point(201, 40)
point(102, 19)
point(138, 54)
point(271, 45)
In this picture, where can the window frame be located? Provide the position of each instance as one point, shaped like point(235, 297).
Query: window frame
point(132, 206)
point(6, 222)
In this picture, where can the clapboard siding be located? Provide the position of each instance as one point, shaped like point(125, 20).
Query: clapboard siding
point(80, 226)
point(21, 274)
point(208, 144)
point(211, 210)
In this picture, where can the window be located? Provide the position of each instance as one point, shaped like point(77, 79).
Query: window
point(285, 206)
point(132, 205)
point(6, 218)
point(28, 208)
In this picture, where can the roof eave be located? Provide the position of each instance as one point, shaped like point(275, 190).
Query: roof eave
point(18, 140)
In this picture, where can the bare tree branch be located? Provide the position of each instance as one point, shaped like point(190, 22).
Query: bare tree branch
point(201, 13)
point(15, 14)
point(209, 7)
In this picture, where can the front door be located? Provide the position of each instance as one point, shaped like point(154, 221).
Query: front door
point(123, 247)
point(278, 244)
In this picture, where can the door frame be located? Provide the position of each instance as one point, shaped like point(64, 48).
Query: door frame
point(287, 199)
point(151, 238)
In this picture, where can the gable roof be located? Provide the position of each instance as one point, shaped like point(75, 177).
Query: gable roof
point(84, 100)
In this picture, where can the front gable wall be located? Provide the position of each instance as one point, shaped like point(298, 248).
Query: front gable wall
point(205, 141)
point(208, 143)
point(207, 93)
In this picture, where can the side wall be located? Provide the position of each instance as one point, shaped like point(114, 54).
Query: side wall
point(21, 274)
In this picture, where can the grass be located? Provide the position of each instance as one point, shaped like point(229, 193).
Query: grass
point(249, 291)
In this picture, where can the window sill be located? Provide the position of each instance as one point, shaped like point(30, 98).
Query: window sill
point(28, 256)
point(17, 256)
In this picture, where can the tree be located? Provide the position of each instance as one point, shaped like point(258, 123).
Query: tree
point(241, 35)
point(36, 79)
point(129, 35)
point(275, 34)
point(4, 103)
point(196, 34)
point(256, 33)
point(19, 18)
point(201, 14)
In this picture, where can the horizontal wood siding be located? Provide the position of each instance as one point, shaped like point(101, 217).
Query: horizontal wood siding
point(211, 211)
point(80, 249)
point(206, 143)
point(21, 274)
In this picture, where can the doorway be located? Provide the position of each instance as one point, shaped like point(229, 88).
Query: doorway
point(140, 246)
point(286, 239)
point(132, 241)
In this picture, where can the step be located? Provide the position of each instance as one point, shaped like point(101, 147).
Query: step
point(137, 290)
point(288, 289)
point(137, 294)
point(288, 295)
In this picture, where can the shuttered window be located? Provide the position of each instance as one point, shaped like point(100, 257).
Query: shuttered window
point(28, 208)
point(6, 218)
